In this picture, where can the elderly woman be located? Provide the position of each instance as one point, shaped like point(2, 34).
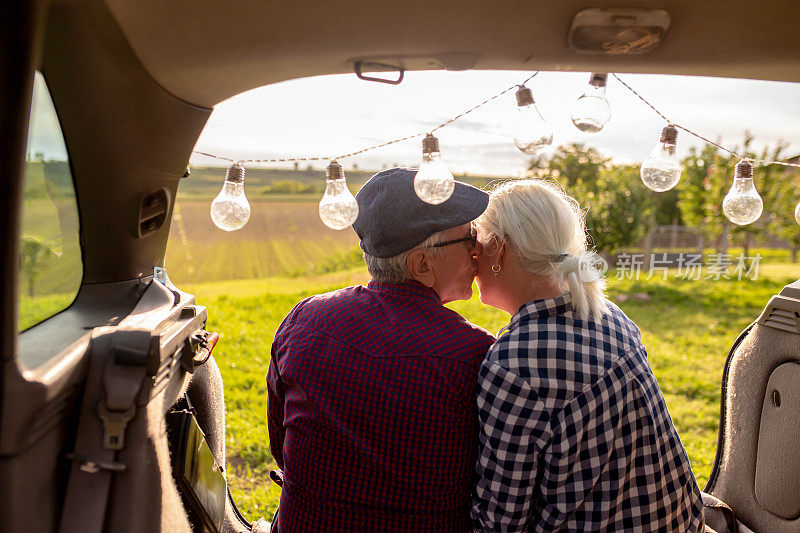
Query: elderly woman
point(575, 434)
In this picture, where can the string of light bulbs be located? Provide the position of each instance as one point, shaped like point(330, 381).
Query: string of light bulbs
point(661, 171)
point(434, 183)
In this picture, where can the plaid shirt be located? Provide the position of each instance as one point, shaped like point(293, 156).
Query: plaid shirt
point(372, 411)
point(575, 434)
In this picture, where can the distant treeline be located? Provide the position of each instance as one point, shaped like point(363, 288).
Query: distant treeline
point(52, 178)
point(206, 181)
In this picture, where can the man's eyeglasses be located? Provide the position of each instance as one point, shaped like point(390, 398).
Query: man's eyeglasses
point(472, 239)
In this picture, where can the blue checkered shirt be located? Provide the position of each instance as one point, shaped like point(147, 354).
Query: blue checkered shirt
point(575, 434)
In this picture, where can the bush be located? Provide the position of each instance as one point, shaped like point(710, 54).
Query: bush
point(293, 187)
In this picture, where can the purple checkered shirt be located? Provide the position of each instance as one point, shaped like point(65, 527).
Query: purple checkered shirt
point(372, 413)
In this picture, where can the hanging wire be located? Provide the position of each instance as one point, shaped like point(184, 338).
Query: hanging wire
point(709, 141)
point(380, 146)
point(484, 102)
point(768, 162)
point(375, 147)
point(659, 113)
point(470, 110)
point(276, 160)
point(285, 160)
point(228, 159)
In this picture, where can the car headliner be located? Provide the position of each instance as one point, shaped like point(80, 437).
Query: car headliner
point(204, 51)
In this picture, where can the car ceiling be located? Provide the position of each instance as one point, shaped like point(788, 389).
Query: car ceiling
point(205, 51)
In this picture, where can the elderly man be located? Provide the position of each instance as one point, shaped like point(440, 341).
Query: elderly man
point(372, 413)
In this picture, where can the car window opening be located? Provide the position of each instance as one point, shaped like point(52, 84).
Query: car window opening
point(50, 255)
point(687, 277)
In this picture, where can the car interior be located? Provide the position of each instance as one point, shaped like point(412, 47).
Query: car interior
point(96, 401)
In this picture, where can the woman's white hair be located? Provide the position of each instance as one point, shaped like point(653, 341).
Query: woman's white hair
point(546, 228)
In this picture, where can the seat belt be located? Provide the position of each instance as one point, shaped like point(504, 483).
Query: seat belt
point(117, 369)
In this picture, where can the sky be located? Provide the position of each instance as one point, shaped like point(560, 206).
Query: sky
point(327, 116)
point(334, 115)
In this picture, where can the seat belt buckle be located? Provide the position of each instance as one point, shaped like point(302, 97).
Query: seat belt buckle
point(93, 467)
point(114, 423)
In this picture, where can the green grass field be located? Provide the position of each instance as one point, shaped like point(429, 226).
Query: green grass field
point(687, 327)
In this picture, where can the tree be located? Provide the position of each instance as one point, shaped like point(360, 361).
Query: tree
point(34, 255)
point(571, 164)
point(618, 206)
point(706, 179)
point(664, 206)
point(780, 200)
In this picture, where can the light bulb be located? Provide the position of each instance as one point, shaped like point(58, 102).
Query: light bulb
point(742, 205)
point(531, 131)
point(433, 183)
point(592, 111)
point(797, 213)
point(338, 208)
point(661, 171)
point(230, 210)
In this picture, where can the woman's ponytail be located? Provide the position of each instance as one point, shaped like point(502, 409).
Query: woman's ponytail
point(583, 273)
point(546, 228)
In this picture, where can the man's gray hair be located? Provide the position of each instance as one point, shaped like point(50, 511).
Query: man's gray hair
point(393, 269)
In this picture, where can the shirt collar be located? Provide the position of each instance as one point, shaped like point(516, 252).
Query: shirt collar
point(410, 288)
point(538, 309)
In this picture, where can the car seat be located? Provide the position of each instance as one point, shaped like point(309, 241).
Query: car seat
point(757, 467)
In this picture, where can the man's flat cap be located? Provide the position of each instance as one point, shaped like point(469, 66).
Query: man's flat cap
point(392, 218)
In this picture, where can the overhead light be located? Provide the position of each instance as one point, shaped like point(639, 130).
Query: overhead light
point(661, 171)
point(531, 131)
point(338, 208)
point(617, 31)
point(743, 205)
point(592, 110)
point(433, 183)
point(230, 210)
